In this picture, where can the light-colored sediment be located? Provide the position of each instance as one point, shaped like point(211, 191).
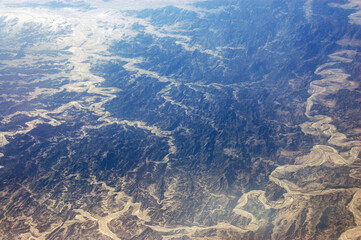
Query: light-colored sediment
point(87, 43)
point(91, 33)
point(3, 140)
point(333, 80)
point(354, 207)
point(124, 200)
point(355, 18)
point(308, 10)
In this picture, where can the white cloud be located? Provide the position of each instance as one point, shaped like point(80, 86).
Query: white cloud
point(113, 4)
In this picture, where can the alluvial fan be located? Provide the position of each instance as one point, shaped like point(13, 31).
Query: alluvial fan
point(184, 119)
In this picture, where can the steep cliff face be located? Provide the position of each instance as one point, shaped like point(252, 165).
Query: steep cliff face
point(214, 120)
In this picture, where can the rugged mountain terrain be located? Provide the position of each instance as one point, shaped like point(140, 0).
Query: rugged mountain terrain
point(212, 120)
